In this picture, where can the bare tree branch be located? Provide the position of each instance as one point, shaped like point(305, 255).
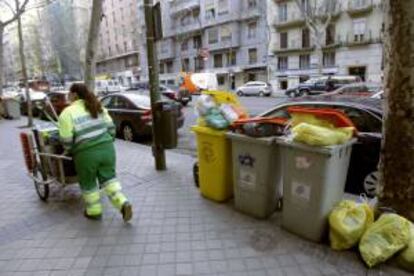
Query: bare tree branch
point(19, 11)
point(11, 8)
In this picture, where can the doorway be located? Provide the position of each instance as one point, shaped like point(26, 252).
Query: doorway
point(358, 71)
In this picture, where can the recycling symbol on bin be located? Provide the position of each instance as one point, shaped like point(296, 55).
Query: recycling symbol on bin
point(246, 160)
point(208, 152)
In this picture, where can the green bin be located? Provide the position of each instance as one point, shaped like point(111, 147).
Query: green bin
point(313, 183)
point(257, 174)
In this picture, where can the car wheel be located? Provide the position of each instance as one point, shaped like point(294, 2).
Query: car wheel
point(261, 94)
point(184, 103)
point(128, 133)
point(196, 175)
point(302, 93)
point(371, 183)
point(240, 93)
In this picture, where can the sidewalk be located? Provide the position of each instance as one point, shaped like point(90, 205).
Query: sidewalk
point(174, 231)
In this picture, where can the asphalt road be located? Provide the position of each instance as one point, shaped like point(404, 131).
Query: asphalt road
point(187, 143)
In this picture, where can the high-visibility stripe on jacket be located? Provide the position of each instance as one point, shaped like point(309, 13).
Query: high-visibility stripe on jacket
point(79, 131)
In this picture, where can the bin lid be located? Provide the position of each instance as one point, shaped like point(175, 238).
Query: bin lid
point(208, 131)
point(327, 150)
point(244, 138)
point(337, 117)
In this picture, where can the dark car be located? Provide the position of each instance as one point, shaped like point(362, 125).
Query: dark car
point(317, 86)
point(175, 94)
point(366, 114)
point(358, 89)
point(132, 116)
point(59, 100)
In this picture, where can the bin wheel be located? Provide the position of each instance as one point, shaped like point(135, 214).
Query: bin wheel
point(42, 189)
point(195, 175)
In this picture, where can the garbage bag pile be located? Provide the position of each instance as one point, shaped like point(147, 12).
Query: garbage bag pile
point(391, 235)
point(320, 127)
point(218, 110)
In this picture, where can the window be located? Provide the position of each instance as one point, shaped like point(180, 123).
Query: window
point(251, 4)
point(252, 56)
point(330, 35)
point(221, 80)
point(125, 46)
point(161, 67)
point(198, 64)
point(223, 7)
point(251, 30)
point(184, 45)
point(329, 59)
point(283, 40)
point(185, 64)
point(210, 10)
point(213, 36)
point(305, 6)
point(282, 63)
point(231, 59)
point(197, 42)
point(218, 61)
point(225, 34)
point(304, 61)
point(170, 66)
point(283, 12)
point(359, 29)
point(305, 38)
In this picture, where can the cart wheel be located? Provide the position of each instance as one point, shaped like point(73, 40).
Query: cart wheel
point(195, 175)
point(42, 190)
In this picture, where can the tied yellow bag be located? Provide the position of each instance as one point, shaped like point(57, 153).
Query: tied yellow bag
point(406, 258)
point(321, 136)
point(385, 237)
point(348, 221)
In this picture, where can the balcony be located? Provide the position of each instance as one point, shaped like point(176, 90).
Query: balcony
point(355, 40)
point(294, 46)
point(188, 27)
point(250, 14)
point(177, 7)
point(292, 20)
point(360, 7)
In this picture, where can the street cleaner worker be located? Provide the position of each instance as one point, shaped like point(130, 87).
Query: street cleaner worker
point(87, 133)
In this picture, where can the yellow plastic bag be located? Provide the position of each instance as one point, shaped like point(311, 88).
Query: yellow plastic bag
point(388, 235)
point(348, 222)
point(298, 118)
point(406, 258)
point(321, 136)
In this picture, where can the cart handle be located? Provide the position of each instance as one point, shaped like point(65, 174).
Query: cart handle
point(57, 156)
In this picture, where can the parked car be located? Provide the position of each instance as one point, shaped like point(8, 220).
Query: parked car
point(366, 114)
point(320, 85)
point(132, 116)
point(36, 98)
point(357, 89)
point(257, 88)
point(138, 86)
point(175, 94)
point(105, 87)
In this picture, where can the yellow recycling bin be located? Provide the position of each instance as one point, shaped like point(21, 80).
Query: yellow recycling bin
point(215, 163)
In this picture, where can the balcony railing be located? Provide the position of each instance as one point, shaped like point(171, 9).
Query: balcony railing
point(179, 6)
point(292, 20)
point(188, 27)
point(361, 39)
point(294, 46)
point(357, 7)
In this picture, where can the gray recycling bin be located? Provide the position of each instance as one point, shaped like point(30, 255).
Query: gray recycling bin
point(11, 108)
point(313, 183)
point(257, 175)
point(168, 113)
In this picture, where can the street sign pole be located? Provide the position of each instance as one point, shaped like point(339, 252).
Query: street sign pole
point(157, 148)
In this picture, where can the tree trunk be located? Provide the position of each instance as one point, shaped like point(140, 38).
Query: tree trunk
point(24, 70)
point(94, 25)
point(1, 58)
point(397, 165)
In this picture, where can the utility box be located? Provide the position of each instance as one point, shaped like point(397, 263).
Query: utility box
point(11, 108)
point(168, 113)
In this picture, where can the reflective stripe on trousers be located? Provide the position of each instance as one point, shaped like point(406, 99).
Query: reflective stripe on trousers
point(113, 189)
point(93, 203)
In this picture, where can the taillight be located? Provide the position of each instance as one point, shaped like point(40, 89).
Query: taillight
point(146, 116)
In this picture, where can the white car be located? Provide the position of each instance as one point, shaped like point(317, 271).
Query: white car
point(257, 88)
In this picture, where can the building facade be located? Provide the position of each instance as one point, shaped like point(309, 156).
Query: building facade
point(352, 43)
point(226, 37)
point(118, 48)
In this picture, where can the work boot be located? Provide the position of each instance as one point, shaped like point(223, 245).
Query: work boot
point(126, 211)
point(92, 217)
